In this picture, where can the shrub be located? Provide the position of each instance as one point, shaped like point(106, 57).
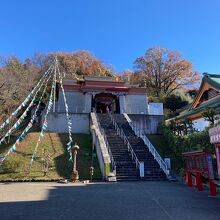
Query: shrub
point(10, 166)
point(177, 145)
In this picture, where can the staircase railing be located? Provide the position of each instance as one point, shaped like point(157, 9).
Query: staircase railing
point(120, 132)
point(140, 133)
point(112, 165)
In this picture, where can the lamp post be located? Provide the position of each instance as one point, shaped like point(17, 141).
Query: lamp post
point(75, 175)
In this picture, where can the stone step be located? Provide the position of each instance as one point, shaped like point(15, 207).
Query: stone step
point(125, 166)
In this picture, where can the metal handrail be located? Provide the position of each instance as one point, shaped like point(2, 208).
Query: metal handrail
point(121, 133)
point(140, 133)
point(113, 164)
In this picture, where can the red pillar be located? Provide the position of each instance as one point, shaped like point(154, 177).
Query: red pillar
point(199, 181)
point(212, 188)
point(188, 179)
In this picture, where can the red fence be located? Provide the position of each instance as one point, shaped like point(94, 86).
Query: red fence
point(199, 163)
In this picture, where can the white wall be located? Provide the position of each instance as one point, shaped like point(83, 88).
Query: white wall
point(155, 108)
point(148, 123)
point(88, 103)
point(122, 103)
point(57, 122)
point(81, 103)
point(136, 104)
point(77, 102)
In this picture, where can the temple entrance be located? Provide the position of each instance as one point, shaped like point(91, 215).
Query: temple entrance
point(106, 102)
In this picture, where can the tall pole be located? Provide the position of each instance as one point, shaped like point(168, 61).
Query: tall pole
point(55, 78)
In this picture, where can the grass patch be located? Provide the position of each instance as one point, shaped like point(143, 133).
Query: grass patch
point(16, 166)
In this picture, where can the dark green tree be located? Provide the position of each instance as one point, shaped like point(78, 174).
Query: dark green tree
point(209, 115)
point(174, 102)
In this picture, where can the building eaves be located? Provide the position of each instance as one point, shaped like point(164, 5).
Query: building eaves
point(210, 104)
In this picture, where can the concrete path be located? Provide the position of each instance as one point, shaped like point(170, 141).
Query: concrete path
point(126, 200)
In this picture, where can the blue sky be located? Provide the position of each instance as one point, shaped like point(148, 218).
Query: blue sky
point(116, 31)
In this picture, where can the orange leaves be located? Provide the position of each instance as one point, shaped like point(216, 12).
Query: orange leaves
point(82, 63)
point(165, 71)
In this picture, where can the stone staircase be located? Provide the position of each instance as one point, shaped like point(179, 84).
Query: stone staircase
point(125, 166)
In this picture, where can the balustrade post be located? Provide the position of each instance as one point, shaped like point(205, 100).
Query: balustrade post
point(141, 169)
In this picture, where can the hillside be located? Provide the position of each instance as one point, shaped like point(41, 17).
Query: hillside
point(16, 166)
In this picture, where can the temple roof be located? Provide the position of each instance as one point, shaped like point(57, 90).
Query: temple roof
point(99, 78)
point(101, 83)
point(208, 97)
point(212, 79)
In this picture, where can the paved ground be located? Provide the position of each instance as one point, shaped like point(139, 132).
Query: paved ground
point(127, 200)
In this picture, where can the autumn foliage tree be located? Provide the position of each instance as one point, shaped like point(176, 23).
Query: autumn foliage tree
point(163, 71)
point(82, 63)
point(129, 77)
point(17, 78)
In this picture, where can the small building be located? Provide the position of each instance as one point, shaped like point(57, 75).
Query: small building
point(208, 97)
point(102, 95)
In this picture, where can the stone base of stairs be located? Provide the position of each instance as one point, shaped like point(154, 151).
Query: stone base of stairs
point(111, 178)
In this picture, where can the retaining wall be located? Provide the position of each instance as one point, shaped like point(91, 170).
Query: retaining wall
point(149, 123)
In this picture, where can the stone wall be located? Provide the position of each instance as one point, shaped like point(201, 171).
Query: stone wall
point(57, 122)
point(149, 123)
point(101, 148)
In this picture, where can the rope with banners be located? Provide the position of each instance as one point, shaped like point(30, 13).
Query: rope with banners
point(54, 94)
point(24, 103)
point(69, 144)
point(22, 117)
point(45, 123)
point(28, 127)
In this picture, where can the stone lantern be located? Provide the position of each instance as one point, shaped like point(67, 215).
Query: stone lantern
point(75, 175)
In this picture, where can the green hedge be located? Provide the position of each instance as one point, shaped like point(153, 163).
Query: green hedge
point(178, 144)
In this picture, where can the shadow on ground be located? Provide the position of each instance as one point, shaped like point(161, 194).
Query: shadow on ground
point(127, 200)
